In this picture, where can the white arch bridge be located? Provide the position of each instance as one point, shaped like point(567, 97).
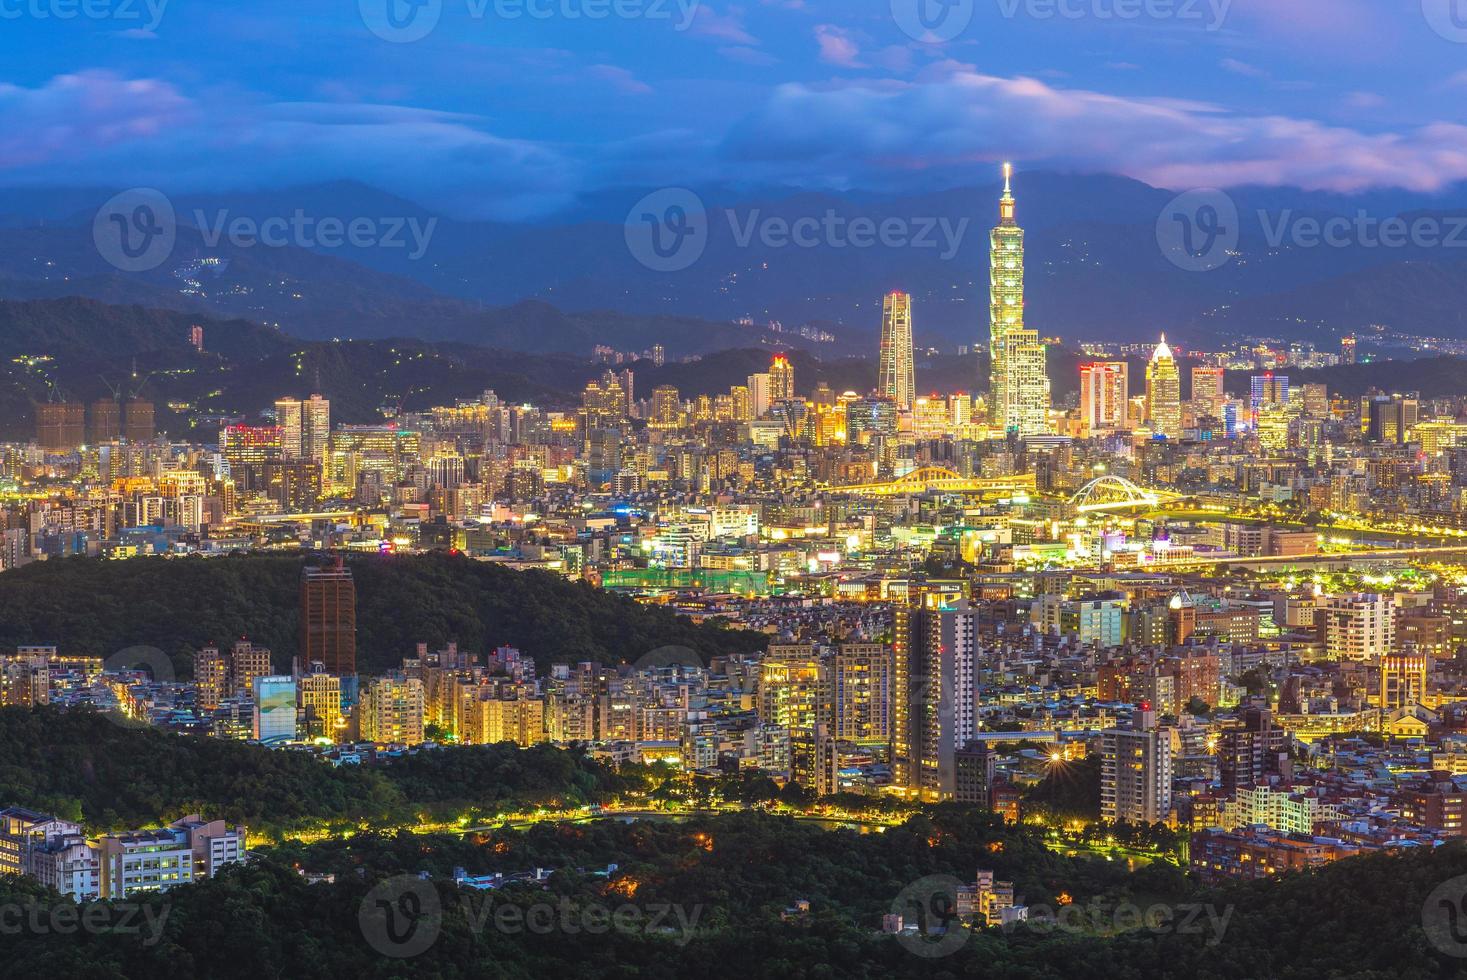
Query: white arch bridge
point(1110, 492)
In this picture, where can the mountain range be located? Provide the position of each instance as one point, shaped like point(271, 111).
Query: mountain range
point(1095, 269)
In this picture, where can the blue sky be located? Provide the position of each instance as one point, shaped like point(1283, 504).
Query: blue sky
point(500, 117)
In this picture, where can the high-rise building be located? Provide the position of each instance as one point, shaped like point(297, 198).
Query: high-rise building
point(896, 376)
point(138, 423)
point(1403, 679)
point(1164, 393)
point(1104, 395)
point(1019, 392)
point(61, 427)
point(391, 711)
point(781, 379)
point(106, 421)
point(320, 703)
point(328, 627)
point(274, 710)
point(1266, 390)
point(934, 698)
point(1208, 394)
point(211, 677)
point(1358, 627)
point(1390, 418)
point(759, 394)
point(305, 428)
point(245, 662)
point(861, 693)
point(667, 408)
point(1136, 771)
point(1254, 752)
point(1349, 349)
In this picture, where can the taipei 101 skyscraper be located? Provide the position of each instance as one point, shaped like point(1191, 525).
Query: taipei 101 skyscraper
point(1018, 396)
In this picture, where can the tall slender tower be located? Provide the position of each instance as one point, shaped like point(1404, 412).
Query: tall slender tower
point(328, 623)
point(781, 379)
point(1018, 386)
point(897, 377)
point(1164, 393)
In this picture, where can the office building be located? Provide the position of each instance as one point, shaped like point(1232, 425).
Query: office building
point(1164, 394)
point(1104, 396)
point(1136, 771)
point(328, 625)
point(391, 711)
point(274, 710)
point(896, 371)
point(1019, 390)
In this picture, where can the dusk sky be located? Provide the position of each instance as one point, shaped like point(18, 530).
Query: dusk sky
point(493, 117)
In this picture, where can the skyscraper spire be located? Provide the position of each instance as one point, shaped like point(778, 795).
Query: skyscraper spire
point(1018, 390)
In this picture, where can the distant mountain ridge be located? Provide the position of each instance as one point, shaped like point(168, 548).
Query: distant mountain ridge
point(1095, 270)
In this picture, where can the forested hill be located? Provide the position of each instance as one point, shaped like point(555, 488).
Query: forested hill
point(90, 606)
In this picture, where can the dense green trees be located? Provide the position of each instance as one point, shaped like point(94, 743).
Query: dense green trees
point(86, 606)
point(706, 899)
point(83, 766)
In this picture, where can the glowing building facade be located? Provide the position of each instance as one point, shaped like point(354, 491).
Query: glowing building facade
point(1018, 386)
point(897, 379)
point(1164, 393)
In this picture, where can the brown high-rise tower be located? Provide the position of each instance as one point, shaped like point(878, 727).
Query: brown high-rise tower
point(329, 619)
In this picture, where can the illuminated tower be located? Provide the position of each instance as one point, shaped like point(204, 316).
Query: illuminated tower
point(897, 379)
point(1018, 387)
point(781, 380)
point(1207, 391)
point(1164, 393)
point(1104, 393)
